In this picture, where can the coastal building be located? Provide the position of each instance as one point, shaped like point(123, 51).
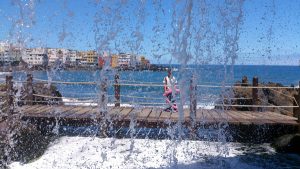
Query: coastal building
point(107, 59)
point(75, 58)
point(36, 56)
point(9, 54)
point(127, 60)
point(65, 56)
point(53, 56)
point(144, 62)
point(114, 61)
point(89, 57)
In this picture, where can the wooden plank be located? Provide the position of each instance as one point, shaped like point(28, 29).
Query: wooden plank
point(154, 115)
point(94, 112)
point(124, 113)
point(62, 111)
point(88, 112)
point(280, 119)
point(204, 115)
point(186, 114)
point(279, 116)
point(175, 116)
point(31, 108)
point(143, 114)
point(24, 107)
point(237, 118)
point(216, 116)
point(78, 111)
point(257, 117)
point(117, 110)
point(165, 116)
point(224, 116)
point(244, 118)
point(42, 111)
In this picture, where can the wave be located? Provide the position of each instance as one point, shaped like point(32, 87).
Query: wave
point(5, 73)
point(94, 152)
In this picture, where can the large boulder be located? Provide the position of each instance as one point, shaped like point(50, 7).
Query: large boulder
point(267, 96)
point(287, 144)
point(46, 90)
point(21, 142)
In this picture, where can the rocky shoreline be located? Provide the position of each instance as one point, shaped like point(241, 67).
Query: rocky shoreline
point(267, 96)
point(20, 140)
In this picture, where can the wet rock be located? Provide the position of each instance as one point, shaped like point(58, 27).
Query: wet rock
point(267, 96)
point(288, 143)
point(47, 90)
point(21, 142)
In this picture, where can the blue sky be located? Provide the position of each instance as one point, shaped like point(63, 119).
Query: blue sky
point(269, 31)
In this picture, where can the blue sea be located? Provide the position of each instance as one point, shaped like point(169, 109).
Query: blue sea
point(151, 91)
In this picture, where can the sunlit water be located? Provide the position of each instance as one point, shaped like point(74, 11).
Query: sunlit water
point(183, 32)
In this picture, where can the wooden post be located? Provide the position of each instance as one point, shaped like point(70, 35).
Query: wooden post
point(103, 108)
point(193, 98)
point(244, 81)
point(9, 94)
point(193, 106)
point(117, 90)
point(29, 90)
point(255, 93)
point(103, 93)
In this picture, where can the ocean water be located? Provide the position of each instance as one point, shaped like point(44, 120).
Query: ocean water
point(151, 93)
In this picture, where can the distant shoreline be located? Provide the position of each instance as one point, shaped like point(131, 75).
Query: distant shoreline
point(153, 67)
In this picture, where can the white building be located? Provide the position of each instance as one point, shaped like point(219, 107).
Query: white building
point(65, 56)
point(9, 54)
point(53, 56)
point(36, 56)
point(127, 60)
point(75, 57)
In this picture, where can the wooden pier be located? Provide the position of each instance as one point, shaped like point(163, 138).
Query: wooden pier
point(150, 116)
point(142, 116)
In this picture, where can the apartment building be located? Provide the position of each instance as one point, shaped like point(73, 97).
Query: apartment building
point(114, 61)
point(89, 57)
point(36, 56)
point(9, 54)
point(127, 60)
point(64, 56)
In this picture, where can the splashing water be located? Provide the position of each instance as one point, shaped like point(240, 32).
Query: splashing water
point(187, 35)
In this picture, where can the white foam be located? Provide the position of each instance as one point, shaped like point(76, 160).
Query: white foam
point(77, 102)
point(85, 152)
point(5, 73)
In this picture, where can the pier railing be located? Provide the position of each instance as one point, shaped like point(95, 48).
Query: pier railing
point(117, 83)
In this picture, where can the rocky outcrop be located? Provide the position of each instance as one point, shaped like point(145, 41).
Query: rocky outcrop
point(39, 89)
point(21, 142)
point(267, 96)
point(47, 90)
point(287, 144)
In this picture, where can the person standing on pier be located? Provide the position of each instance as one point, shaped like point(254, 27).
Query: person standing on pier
point(169, 86)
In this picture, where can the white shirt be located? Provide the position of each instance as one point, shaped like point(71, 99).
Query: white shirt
point(170, 81)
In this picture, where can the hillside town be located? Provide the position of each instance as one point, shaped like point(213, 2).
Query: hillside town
point(13, 55)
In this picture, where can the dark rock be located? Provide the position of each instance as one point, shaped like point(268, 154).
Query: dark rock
point(21, 142)
point(267, 96)
point(47, 90)
point(287, 144)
